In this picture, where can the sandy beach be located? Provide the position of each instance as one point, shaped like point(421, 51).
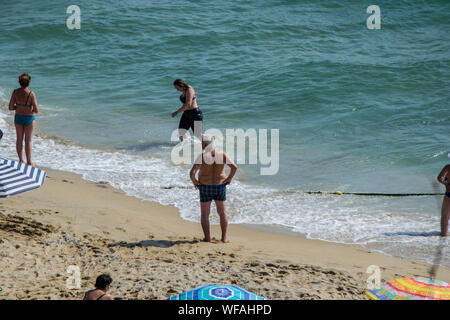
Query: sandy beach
point(152, 253)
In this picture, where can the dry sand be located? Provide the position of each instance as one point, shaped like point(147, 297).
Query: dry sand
point(152, 253)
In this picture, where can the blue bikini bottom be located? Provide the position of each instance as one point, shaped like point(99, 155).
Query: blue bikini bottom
point(23, 120)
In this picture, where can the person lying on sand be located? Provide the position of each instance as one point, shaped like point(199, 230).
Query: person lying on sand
point(102, 285)
point(444, 178)
point(212, 183)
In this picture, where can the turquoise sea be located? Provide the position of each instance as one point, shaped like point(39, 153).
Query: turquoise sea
point(358, 110)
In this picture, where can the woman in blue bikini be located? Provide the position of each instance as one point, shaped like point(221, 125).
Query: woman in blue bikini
point(444, 178)
point(24, 102)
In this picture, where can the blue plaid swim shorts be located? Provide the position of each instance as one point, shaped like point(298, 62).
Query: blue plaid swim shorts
point(212, 192)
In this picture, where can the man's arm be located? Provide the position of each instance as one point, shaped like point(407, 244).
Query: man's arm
point(192, 174)
point(232, 166)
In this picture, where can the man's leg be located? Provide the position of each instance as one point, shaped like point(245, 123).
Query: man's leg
point(445, 216)
point(222, 211)
point(205, 209)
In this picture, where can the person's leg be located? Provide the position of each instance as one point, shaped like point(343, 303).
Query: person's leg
point(19, 140)
point(205, 209)
point(183, 126)
point(197, 129)
point(28, 137)
point(222, 211)
point(181, 133)
point(445, 216)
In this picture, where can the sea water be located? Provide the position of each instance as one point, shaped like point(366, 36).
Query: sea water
point(357, 110)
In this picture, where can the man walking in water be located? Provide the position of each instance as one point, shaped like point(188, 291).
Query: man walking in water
point(212, 183)
point(444, 178)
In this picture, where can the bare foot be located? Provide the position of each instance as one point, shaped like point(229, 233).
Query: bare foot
point(225, 241)
point(32, 164)
point(206, 240)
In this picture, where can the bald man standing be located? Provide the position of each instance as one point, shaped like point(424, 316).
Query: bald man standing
point(211, 183)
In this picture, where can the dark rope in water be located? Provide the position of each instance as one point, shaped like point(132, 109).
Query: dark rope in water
point(369, 194)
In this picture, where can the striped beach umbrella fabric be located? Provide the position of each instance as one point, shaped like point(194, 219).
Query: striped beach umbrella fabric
point(17, 177)
point(216, 292)
point(418, 288)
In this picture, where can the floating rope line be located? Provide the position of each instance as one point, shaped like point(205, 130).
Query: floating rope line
point(339, 193)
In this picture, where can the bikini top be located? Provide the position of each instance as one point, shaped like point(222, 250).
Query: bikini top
point(101, 296)
point(23, 105)
point(183, 97)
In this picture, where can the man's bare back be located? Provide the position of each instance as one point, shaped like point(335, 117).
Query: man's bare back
point(212, 170)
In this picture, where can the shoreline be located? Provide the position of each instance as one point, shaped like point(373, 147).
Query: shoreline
point(264, 228)
point(286, 231)
point(75, 221)
point(269, 228)
point(64, 143)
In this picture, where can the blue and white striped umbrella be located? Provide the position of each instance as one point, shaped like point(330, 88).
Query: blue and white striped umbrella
point(216, 292)
point(17, 177)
